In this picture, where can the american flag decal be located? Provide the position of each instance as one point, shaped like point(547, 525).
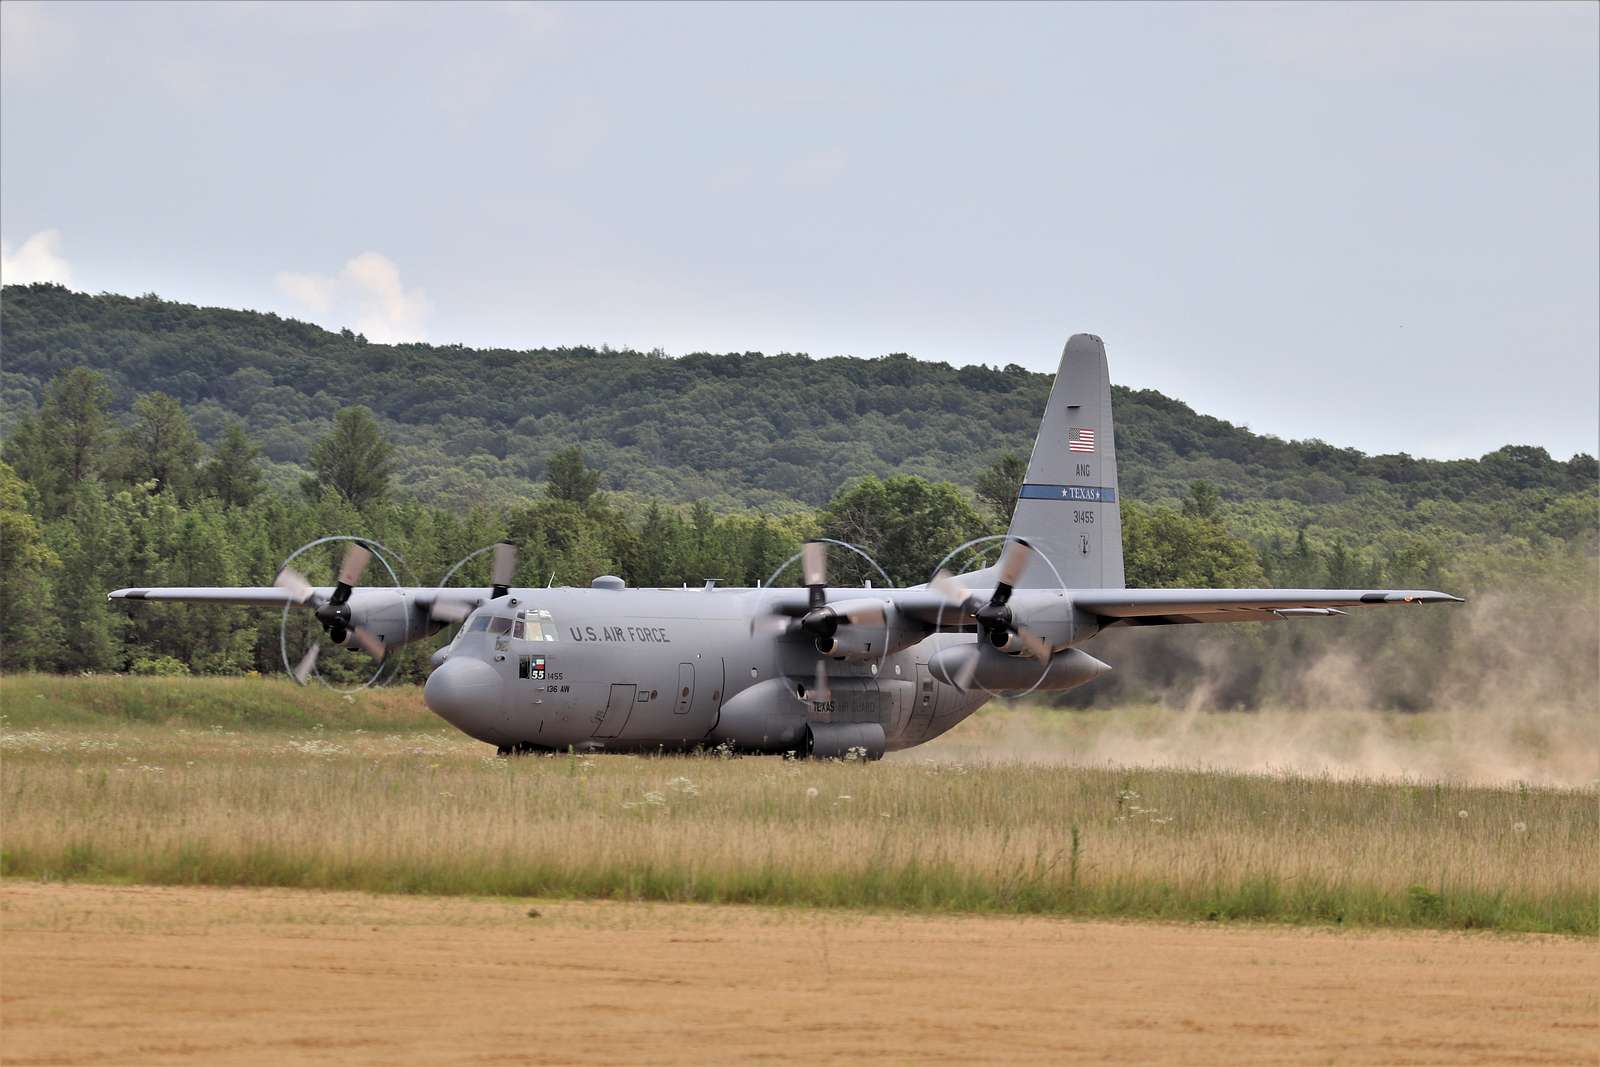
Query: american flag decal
point(1080, 440)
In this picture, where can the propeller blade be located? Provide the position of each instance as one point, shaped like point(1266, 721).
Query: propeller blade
point(771, 626)
point(450, 610)
point(1012, 559)
point(953, 591)
point(871, 614)
point(814, 562)
point(1037, 646)
point(356, 558)
point(819, 688)
point(307, 664)
point(963, 678)
point(294, 583)
point(369, 642)
point(505, 565)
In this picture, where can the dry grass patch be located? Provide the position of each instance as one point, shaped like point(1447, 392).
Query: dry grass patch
point(428, 811)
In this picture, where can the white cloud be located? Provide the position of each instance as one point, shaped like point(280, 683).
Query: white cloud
point(34, 41)
point(367, 288)
point(312, 290)
point(38, 259)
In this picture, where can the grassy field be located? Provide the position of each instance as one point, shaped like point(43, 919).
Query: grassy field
point(254, 782)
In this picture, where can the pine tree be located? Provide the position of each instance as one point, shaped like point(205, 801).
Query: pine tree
point(569, 479)
point(998, 486)
point(355, 460)
point(160, 447)
point(234, 474)
point(29, 631)
point(65, 444)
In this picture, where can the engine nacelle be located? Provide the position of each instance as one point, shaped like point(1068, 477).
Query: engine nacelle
point(863, 642)
point(856, 643)
point(998, 672)
point(1007, 641)
point(394, 618)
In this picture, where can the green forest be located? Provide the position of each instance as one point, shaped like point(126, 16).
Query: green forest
point(148, 442)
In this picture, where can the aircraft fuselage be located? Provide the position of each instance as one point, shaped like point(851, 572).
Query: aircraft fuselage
point(673, 670)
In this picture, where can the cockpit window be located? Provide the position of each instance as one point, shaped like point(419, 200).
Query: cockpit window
point(537, 625)
point(499, 625)
point(480, 623)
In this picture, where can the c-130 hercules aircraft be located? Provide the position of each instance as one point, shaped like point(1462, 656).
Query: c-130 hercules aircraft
point(820, 670)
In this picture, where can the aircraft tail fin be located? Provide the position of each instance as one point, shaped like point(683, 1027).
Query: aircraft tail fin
point(1068, 507)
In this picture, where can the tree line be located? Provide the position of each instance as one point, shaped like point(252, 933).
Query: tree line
point(104, 484)
point(89, 504)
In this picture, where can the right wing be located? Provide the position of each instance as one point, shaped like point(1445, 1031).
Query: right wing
point(1157, 607)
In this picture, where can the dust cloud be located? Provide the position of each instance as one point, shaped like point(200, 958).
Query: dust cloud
point(1504, 689)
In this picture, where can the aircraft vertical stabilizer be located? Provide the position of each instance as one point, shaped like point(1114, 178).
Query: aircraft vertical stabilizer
point(1068, 505)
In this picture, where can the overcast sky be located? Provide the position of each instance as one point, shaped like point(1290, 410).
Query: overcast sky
point(1376, 225)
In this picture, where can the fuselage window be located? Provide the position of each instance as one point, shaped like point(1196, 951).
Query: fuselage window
point(537, 625)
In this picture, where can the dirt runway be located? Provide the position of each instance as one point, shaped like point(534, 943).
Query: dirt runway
point(141, 975)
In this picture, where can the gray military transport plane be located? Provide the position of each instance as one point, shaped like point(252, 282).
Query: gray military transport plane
point(819, 670)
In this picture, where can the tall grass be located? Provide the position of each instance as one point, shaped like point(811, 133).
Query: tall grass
point(28, 700)
point(192, 796)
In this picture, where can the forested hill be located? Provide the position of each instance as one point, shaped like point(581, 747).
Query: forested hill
point(477, 426)
point(717, 466)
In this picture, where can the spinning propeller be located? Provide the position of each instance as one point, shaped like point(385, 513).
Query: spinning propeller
point(994, 618)
point(333, 612)
point(819, 620)
point(448, 610)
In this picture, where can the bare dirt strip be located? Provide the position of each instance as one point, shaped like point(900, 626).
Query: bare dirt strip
point(142, 975)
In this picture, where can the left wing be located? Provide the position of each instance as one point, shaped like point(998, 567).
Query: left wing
point(259, 596)
point(272, 596)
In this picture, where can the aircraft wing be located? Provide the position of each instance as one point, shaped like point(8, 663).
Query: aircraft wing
point(272, 596)
point(1158, 607)
point(259, 596)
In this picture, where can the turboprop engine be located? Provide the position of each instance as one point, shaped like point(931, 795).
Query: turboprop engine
point(982, 666)
point(883, 634)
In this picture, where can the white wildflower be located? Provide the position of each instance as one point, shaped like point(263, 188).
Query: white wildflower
point(811, 793)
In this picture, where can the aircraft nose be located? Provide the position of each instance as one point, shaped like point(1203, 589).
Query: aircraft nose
point(466, 693)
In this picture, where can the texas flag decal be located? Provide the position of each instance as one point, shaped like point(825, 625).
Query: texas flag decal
point(1080, 440)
